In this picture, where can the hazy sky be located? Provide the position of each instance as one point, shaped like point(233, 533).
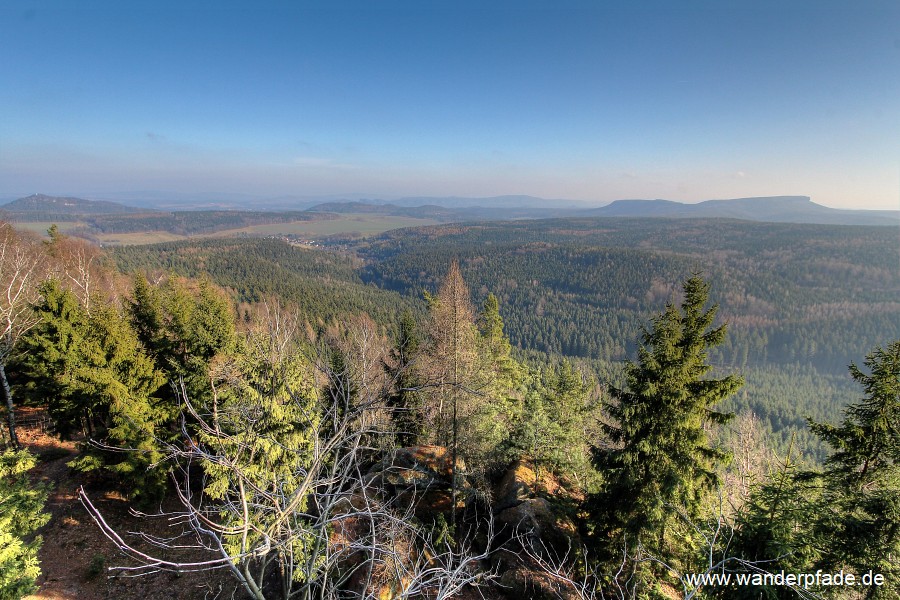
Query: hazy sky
point(584, 100)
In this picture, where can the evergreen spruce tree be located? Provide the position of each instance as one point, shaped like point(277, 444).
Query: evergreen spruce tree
point(99, 379)
point(21, 506)
point(500, 381)
point(265, 433)
point(146, 313)
point(52, 355)
point(660, 463)
point(567, 402)
point(503, 373)
point(860, 508)
point(774, 532)
point(490, 326)
point(183, 328)
point(533, 433)
point(406, 400)
point(551, 427)
point(122, 382)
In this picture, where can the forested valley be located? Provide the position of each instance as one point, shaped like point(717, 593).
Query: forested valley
point(568, 408)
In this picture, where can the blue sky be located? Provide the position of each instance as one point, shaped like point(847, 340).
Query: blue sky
point(581, 100)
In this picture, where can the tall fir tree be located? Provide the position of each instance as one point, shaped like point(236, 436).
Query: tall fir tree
point(145, 312)
point(859, 516)
point(503, 373)
point(490, 326)
point(660, 463)
point(565, 396)
point(265, 423)
point(183, 327)
point(123, 382)
point(52, 354)
point(501, 389)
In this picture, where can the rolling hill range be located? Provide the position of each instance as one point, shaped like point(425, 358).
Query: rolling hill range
point(100, 216)
point(88, 218)
point(444, 214)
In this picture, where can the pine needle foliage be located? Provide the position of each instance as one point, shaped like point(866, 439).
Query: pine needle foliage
point(554, 419)
point(183, 326)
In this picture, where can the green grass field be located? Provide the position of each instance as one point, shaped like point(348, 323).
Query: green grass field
point(138, 238)
point(363, 224)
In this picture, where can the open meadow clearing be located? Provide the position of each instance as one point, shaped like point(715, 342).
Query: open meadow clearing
point(358, 223)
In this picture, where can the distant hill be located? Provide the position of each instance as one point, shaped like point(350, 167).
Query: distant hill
point(773, 209)
point(57, 205)
point(444, 214)
point(424, 212)
point(488, 202)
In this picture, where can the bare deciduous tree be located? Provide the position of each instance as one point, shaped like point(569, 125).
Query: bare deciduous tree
point(79, 266)
point(21, 270)
point(751, 460)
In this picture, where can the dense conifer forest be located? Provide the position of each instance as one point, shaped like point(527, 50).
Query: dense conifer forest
point(802, 301)
point(567, 408)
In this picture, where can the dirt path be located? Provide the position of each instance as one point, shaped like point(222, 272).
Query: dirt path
point(75, 554)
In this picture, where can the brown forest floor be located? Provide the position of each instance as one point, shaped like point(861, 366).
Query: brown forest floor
point(75, 553)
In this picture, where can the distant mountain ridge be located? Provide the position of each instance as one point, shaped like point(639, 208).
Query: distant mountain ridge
point(441, 213)
point(773, 209)
point(63, 205)
point(511, 201)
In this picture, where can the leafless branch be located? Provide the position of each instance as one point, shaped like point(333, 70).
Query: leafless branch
point(320, 530)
